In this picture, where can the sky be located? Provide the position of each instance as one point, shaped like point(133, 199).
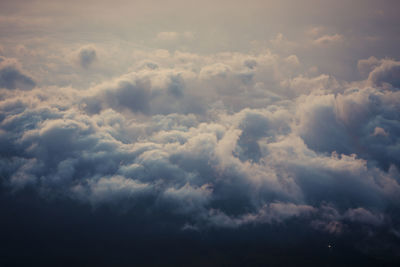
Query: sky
point(193, 133)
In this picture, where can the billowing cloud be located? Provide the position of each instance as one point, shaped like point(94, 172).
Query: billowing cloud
point(86, 56)
point(135, 140)
point(12, 77)
point(386, 73)
point(329, 39)
point(209, 131)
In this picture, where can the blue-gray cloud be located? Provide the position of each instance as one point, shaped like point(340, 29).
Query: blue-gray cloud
point(11, 77)
point(325, 154)
point(263, 141)
point(87, 55)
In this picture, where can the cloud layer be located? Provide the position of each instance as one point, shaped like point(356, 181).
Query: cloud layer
point(224, 130)
point(222, 140)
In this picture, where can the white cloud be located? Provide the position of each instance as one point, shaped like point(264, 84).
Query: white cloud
point(329, 39)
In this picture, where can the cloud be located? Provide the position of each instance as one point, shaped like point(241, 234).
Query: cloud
point(12, 77)
point(385, 73)
point(167, 36)
point(315, 31)
point(281, 42)
point(112, 189)
point(293, 60)
point(226, 141)
point(329, 39)
point(305, 85)
point(364, 216)
point(365, 66)
point(170, 37)
point(223, 132)
point(87, 56)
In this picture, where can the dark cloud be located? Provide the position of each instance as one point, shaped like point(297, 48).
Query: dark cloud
point(11, 77)
point(269, 139)
point(360, 121)
point(251, 64)
point(387, 73)
point(87, 55)
point(324, 161)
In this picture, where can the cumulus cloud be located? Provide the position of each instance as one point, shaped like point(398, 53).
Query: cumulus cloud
point(293, 60)
point(12, 77)
point(329, 39)
point(217, 141)
point(221, 130)
point(87, 56)
point(385, 73)
point(365, 66)
point(364, 216)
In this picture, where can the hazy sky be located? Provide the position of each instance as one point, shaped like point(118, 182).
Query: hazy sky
point(233, 127)
point(363, 28)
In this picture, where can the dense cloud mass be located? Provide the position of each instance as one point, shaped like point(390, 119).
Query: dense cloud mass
point(149, 144)
point(223, 143)
point(86, 56)
point(11, 77)
point(179, 138)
